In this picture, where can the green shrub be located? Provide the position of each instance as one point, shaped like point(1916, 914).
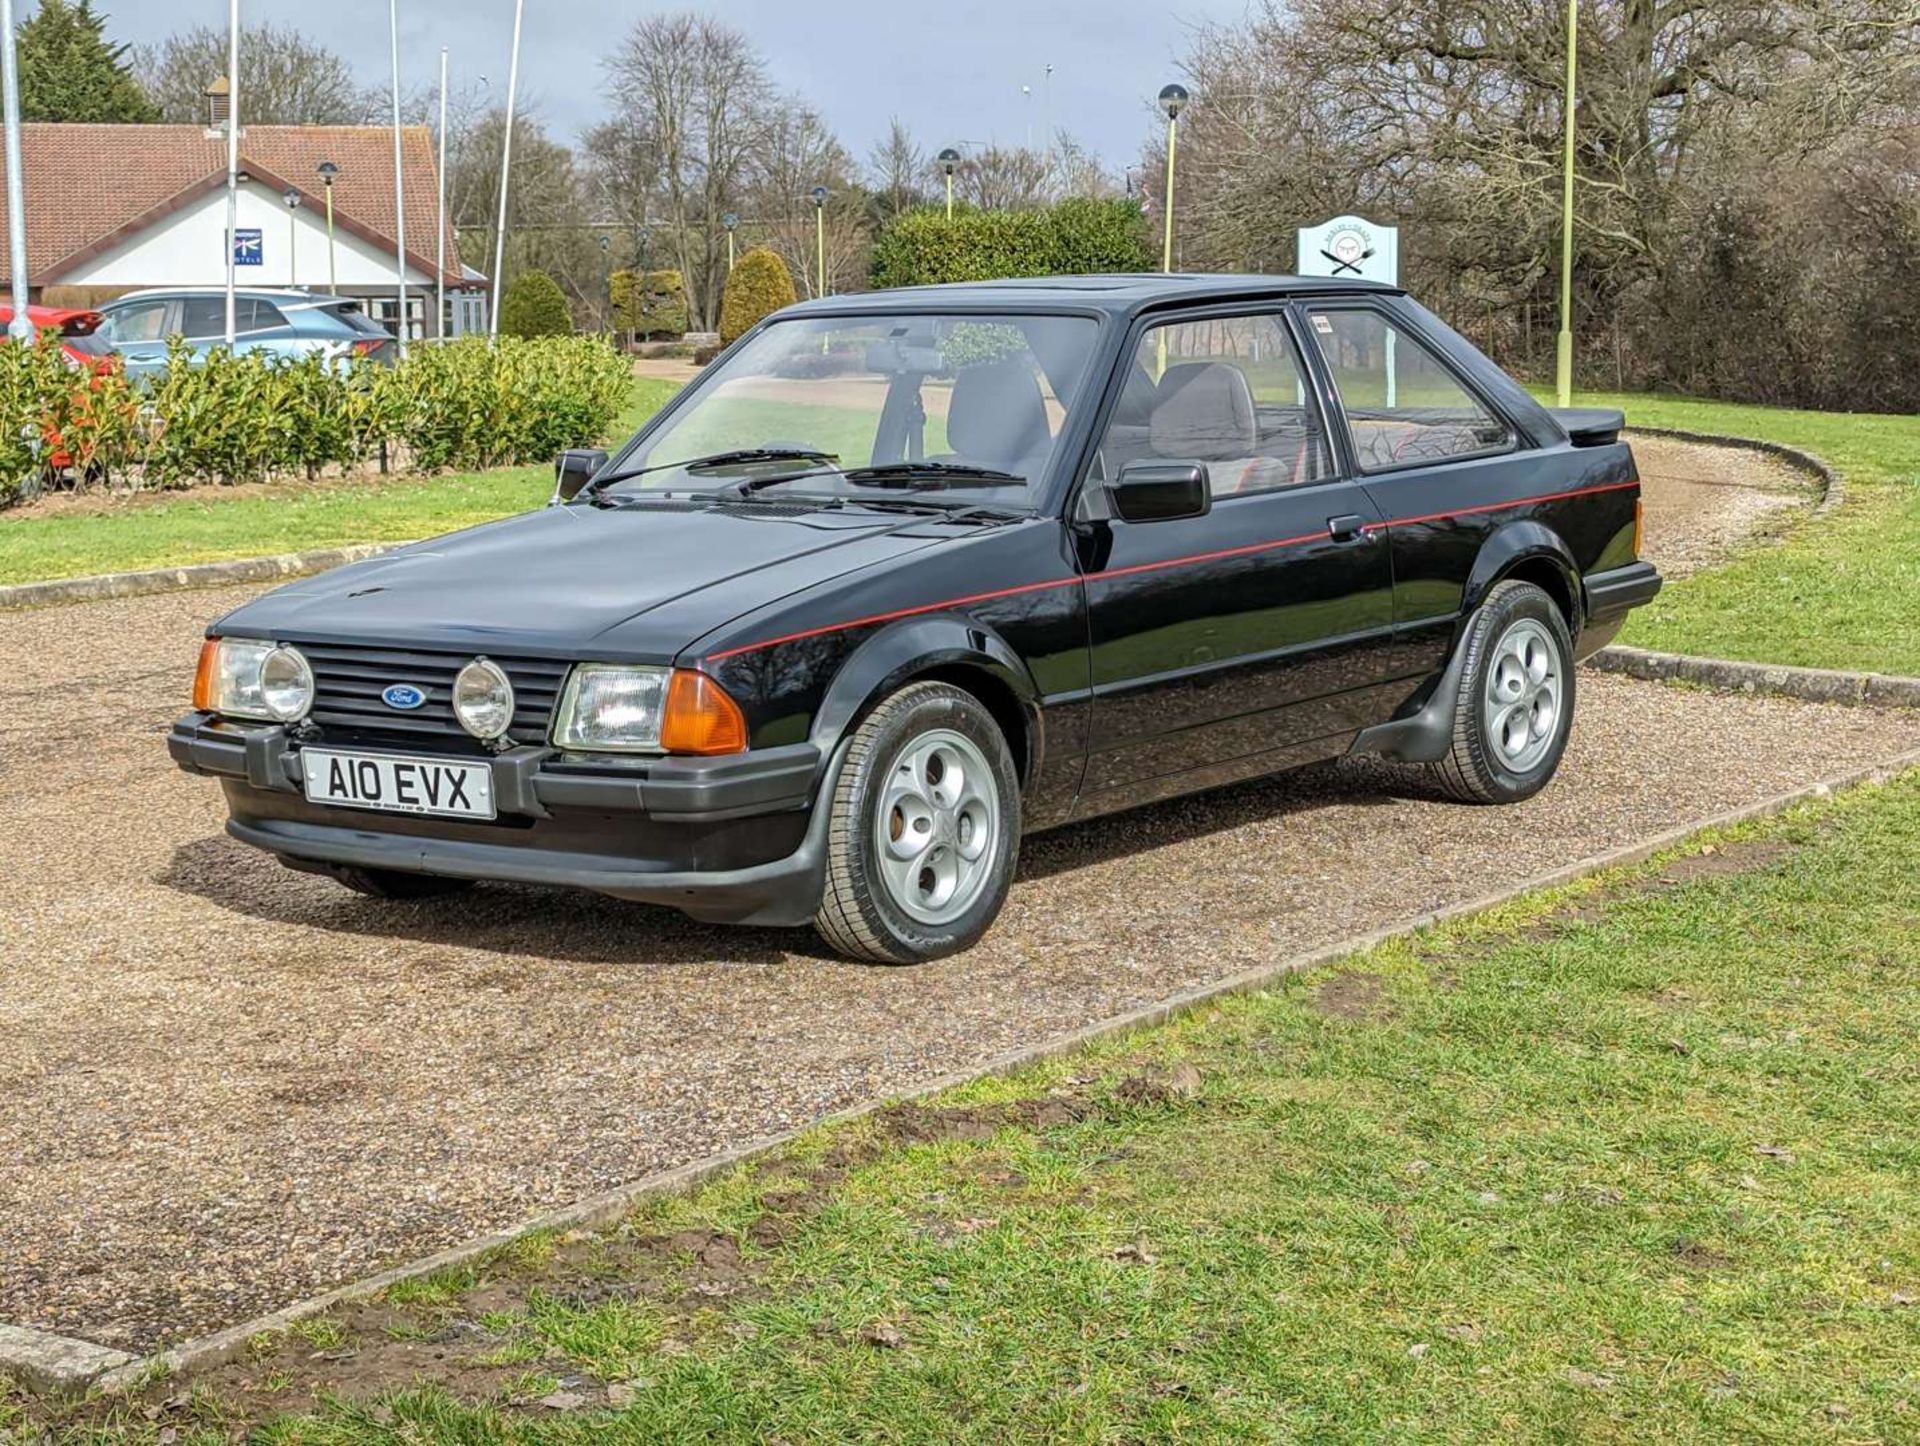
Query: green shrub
point(59, 423)
point(217, 417)
point(921, 247)
point(656, 306)
point(759, 286)
point(535, 306)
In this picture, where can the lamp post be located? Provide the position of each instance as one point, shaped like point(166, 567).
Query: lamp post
point(949, 163)
point(292, 198)
point(1173, 100)
point(729, 220)
point(328, 170)
point(820, 237)
point(20, 327)
point(233, 152)
point(606, 266)
point(1563, 359)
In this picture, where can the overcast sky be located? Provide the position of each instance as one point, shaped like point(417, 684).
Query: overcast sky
point(952, 72)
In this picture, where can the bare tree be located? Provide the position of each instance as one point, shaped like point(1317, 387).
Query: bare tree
point(1077, 171)
point(798, 153)
point(895, 168)
point(1002, 178)
point(699, 89)
point(285, 78)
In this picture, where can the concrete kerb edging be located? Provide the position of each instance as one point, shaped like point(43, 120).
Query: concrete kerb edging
point(177, 579)
point(1832, 489)
point(610, 1206)
point(1814, 685)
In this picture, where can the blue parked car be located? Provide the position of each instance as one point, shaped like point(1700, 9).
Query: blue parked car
point(284, 323)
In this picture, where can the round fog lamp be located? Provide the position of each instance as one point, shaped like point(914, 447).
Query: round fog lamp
point(483, 699)
point(286, 684)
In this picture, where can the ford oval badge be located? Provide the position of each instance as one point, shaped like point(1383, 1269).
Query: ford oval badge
point(403, 696)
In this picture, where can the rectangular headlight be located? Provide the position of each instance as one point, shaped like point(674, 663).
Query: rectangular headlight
point(229, 680)
point(612, 707)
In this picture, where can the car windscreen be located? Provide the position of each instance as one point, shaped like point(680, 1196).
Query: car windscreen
point(987, 392)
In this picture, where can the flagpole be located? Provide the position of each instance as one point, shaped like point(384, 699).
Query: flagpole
point(20, 328)
point(399, 187)
point(506, 162)
point(440, 215)
point(233, 152)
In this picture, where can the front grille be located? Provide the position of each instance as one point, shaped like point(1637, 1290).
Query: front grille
point(348, 683)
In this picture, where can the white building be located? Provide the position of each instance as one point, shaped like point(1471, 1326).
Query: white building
point(115, 208)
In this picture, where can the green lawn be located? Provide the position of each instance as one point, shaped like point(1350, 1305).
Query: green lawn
point(1840, 593)
point(1629, 1161)
point(204, 526)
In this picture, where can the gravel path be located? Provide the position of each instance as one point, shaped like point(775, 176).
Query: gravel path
point(224, 1085)
point(1704, 501)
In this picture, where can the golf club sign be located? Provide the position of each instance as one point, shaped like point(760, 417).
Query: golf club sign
point(1352, 247)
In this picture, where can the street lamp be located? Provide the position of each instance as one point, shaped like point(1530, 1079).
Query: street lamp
point(606, 266)
point(949, 163)
point(1173, 100)
point(292, 198)
point(729, 220)
point(820, 236)
point(1563, 350)
point(328, 170)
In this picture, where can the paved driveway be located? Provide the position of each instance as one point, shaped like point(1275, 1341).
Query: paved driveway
point(224, 1084)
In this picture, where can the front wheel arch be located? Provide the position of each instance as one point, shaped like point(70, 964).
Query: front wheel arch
point(941, 648)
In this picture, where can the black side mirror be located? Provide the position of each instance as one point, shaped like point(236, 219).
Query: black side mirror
point(1154, 491)
point(572, 470)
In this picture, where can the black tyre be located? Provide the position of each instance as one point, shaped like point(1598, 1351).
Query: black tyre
point(394, 884)
point(925, 829)
point(1515, 705)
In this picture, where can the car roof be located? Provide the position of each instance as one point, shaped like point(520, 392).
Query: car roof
point(1121, 293)
point(281, 294)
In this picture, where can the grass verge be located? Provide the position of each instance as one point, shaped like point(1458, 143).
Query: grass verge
point(174, 529)
point(1841, 593)
point(1631, 1159)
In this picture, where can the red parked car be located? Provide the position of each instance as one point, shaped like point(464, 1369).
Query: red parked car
point(79, 332)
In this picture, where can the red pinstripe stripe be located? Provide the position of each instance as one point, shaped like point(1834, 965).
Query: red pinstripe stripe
point(1139, 567)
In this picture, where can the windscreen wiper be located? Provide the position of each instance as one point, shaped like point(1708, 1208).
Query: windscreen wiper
point(739, 456)
point(931, 474)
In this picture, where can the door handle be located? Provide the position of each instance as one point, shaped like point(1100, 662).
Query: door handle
point(1346, 526)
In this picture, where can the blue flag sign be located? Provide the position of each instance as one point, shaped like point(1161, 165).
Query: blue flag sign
point(246, 246)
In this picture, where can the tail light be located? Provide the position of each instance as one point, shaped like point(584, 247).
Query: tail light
point(700, 717)
point(368, 345)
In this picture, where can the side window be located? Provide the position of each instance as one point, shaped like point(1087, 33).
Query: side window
point(1402, 404)
point(204, 318)
point(1226, 391)
point(138, 323)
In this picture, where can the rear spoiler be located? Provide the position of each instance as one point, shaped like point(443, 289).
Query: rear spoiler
point(1590, 426)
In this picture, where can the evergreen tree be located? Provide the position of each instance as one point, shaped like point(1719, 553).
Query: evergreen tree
point(69, 71)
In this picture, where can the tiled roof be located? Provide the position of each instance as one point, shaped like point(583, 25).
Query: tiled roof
point(86, 185)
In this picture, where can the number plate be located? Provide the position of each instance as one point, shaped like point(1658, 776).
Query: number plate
point(399, 784)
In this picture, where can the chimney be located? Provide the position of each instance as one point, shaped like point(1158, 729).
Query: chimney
point(218, 105)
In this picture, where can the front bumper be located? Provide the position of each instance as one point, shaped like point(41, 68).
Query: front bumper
point(733, 838)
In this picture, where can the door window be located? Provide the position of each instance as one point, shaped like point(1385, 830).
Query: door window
point(1225, 391)
point(204, 318)
point(137, 323)
point(1403, 406)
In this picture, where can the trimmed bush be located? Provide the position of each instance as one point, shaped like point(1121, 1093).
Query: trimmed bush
point(217, 417)
point(535, 306)
point(759, 286)
point(651, 303)
point(922, 247)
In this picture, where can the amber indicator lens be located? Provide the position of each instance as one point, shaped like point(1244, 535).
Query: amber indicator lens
point(700, 717)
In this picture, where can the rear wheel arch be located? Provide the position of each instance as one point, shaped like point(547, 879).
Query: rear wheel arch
point(1526, 551)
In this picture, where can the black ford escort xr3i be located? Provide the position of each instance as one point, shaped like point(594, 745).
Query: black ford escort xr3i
point(905, 575)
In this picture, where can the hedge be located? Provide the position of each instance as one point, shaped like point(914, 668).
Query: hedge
point(759, 286)
point(656, 306)
point(535, 306)
point(222, 418)
point(921, 247)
